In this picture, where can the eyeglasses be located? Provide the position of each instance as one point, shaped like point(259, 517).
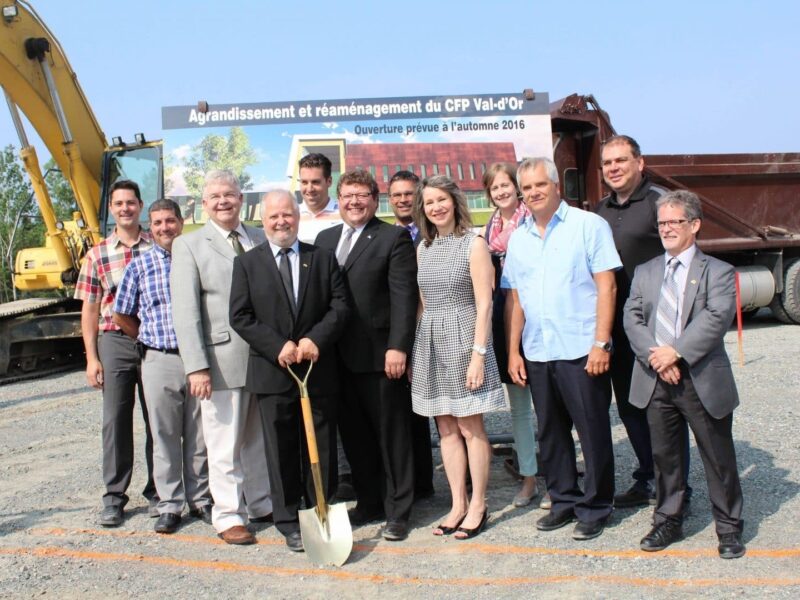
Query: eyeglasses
point(361, 196)
point(229, 196)
point(672, 223)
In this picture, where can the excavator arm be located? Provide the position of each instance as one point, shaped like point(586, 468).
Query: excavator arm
point(38, 80)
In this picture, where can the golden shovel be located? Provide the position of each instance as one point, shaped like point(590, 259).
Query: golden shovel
point(326, 531)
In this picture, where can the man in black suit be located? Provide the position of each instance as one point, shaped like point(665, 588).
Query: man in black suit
point(402, 187)
point(288, 301)
point(380, 272)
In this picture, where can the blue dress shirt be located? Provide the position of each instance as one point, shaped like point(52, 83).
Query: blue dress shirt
point(553, 277)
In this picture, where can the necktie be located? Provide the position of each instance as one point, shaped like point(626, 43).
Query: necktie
point(667, 315)
point(345, 249)
point(233, 236)
point(285, 269)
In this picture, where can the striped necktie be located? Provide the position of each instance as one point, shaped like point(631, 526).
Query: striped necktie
point(667, 315)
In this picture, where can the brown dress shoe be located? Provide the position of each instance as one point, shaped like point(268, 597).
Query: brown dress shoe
point(238, 535)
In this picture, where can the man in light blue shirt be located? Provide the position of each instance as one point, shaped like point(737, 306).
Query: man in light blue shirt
point(560, 269)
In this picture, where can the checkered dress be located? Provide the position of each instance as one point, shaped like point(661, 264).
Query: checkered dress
point(445, 332)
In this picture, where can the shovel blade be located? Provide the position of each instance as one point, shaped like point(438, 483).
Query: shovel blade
point(330, 543)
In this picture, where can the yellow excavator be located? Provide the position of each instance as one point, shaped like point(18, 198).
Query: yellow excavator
point(39, 336)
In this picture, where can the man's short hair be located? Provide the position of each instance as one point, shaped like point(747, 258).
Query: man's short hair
point(125, 184)
point(221, 176)
point(623, 139)
point(282, 192)
point(358, 177)
point(165, 204)
point(315, 160)
point(404, 176)
point(529, 164)
point(684, 199)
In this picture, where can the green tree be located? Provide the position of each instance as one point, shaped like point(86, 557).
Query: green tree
point(15, 196)
point(219, 152)
point(61, 194)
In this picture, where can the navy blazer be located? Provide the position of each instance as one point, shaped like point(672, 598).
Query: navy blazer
point(261, 314)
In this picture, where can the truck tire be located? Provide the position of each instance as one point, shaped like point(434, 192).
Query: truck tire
point(790, 297)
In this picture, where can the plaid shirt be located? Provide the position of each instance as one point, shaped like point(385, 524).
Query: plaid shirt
point(102, 270)
point(144, 293)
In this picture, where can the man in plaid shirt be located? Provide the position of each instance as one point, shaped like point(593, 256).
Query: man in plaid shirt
point(143, 309)
point(112, 363)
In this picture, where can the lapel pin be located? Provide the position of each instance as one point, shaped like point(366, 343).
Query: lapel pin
point(693, 282)
point(305, 265)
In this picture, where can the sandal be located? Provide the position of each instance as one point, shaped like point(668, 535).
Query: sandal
point(449, 530)
point(471, 533)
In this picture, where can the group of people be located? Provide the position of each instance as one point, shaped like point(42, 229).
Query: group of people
point(424, 318)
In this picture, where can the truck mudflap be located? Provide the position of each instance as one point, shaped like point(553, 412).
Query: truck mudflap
point(39, 336)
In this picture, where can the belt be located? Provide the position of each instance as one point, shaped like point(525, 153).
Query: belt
point(164, 350)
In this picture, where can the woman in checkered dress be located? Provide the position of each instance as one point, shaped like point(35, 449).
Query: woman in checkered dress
point(455, 377)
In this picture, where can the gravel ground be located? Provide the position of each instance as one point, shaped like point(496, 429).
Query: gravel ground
point(51, 545)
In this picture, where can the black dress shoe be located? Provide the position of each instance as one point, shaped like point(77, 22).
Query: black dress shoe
point(344, 488)
point(731, 546)
point(552, 520)
point(168, 523)
point(638, 495)
point(111, 516)
point(263, 519)
point(586, 530)
point(294, 541)
point(661, 536)
point(202, 512)
point(362, 516)
point(396, 530)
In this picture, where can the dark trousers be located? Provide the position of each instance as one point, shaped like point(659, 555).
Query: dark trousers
point(375, 422)
point(563, 395)
point(121, 379)
point(670, 409)
point(287, 453)
point(423, 457)
point(634, 418)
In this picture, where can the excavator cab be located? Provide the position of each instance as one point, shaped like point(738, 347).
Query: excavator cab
point(142, 163)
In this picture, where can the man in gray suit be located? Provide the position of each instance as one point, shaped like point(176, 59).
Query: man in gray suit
point(215, 359)
point(680, 306)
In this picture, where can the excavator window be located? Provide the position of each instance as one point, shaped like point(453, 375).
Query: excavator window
point(140, 164)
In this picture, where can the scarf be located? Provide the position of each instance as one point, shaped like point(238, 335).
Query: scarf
point(498, 234)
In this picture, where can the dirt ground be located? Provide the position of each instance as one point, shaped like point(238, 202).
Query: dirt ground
point(51, 544)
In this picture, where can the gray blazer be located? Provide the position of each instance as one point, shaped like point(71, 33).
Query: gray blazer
point(200, 282)
point(708, 307)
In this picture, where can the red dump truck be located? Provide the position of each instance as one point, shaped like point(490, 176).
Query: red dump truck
point(751, 202)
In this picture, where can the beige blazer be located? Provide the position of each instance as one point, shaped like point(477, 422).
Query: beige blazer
point(200, 282)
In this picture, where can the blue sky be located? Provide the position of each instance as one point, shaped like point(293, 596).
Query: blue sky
point(681, 77)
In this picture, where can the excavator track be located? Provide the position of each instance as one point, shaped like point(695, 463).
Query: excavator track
point(39, 337)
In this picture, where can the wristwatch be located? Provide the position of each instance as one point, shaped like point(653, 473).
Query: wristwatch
point(605, 346)
point(479, 349)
